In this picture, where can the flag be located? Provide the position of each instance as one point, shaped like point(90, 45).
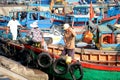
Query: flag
point(91, 11)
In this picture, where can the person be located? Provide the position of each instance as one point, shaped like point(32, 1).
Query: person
point(36, 36)
point(69, 40)
point(13, 25)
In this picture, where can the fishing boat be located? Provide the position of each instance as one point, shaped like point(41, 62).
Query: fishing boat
point(110, 20)
point(102, 63)
point(78, 16)
point(41, 58)
point(73, 13)
point(81, 14)
point(99, 63)
point(28, 17)
point(87, 64)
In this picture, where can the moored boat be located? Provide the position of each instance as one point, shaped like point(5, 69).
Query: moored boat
point(94, 62)
point(87, 65)
point(97, 62)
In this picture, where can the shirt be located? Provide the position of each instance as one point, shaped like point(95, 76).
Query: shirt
point(36, 34)
point(69, 38)
point(13, 25)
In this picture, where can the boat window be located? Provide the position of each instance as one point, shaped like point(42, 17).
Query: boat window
point(33, 16)
point(79, 24)
point(23, 15)
point(81, 11)
point(107, 40)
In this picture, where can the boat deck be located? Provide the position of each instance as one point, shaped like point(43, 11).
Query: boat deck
point(92, 55)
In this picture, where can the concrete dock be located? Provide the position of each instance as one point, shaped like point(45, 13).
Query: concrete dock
point(16, 71)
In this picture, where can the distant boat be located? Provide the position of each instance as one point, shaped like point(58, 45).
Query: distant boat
point(110, 20)
point(26, 18)
point(4, 20)
point(73, 13)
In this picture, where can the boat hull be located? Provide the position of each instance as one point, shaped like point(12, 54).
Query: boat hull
point(97, 64)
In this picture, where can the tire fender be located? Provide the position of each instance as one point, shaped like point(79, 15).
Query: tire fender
point(61, 63)
point(44, 60)
point(73, 67)
point(26, 56)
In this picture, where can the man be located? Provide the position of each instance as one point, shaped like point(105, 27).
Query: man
point(69, 40)
point(13, 24)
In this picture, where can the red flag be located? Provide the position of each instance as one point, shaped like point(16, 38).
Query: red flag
point(91, 11)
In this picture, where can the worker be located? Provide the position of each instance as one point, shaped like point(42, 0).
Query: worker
point(13, 25)
point(36, 36)
point(69, 40)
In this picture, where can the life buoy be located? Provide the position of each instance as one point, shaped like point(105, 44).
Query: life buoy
point(60, 66)
point(44, 60)
point(76, 66)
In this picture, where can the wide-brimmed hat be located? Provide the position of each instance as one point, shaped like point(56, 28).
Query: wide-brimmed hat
point(66, 26)
point(34, 24)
